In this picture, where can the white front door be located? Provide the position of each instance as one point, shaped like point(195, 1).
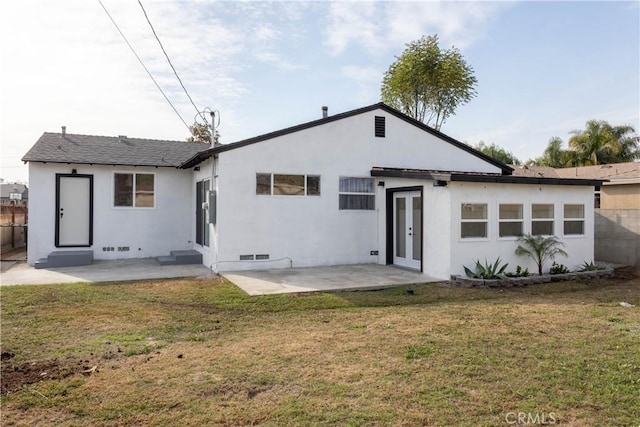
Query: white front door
point(407, 229)
point(73, 204)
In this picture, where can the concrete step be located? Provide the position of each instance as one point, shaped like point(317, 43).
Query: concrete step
point(182, 257)
point(187, 257)
point(65, 259)
point(41, 263)
point(166, 260)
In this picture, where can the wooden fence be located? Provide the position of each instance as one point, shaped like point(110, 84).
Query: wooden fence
point(13, 230)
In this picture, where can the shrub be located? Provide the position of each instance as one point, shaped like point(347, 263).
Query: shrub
point(591, 267)
point(540, 249)
point(558, 269)
point(519, 272)
point(487, 271)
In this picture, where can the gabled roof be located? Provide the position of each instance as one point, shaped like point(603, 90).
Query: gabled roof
point(107, 150)
point(204, 155)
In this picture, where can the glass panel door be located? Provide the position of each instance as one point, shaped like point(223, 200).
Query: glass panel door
point(416, 203)
point(407, 229)
point(401, 225)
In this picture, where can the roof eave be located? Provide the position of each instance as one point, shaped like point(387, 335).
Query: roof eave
point(73, 162)
point(473, 177)
point(511, 179)
point(200, 157)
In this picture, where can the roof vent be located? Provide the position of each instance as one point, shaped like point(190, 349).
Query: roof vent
point(122, 138)
point(64, 131)
point(379, 126)
point(325, 111)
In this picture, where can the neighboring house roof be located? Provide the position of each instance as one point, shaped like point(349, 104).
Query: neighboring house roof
point(614, 172)
point(107, 150)
point(204, 155)
point(7, 189)
point(477, 177)
point(534, 171)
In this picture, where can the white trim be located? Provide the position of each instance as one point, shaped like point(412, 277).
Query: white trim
point(272, 182)
point(574, 219)
point(475, 220)
point(552, 220)
point(520, 220)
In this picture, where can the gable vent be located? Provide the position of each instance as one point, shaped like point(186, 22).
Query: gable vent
point(379, 127)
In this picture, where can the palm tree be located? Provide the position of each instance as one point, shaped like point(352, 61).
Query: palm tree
point(554, 155)
point(627, 150)
point(602, 143)
point(541, 249)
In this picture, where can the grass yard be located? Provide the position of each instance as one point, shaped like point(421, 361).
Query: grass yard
point(201, 352)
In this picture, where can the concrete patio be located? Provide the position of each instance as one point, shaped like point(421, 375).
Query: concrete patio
point(100, 271)
point(330, 279)
point(256, 282)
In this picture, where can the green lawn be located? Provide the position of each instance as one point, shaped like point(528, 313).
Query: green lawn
point(201, 352)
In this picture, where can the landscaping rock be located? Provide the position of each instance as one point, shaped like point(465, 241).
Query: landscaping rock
point(468, 282)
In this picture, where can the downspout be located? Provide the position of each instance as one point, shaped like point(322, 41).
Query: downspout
point(214, 186)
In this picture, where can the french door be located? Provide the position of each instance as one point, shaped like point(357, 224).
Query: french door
point(407, 229)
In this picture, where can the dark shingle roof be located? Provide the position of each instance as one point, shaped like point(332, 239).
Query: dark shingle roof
point(107, 150)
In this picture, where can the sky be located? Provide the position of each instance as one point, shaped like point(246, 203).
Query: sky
point(543, 68)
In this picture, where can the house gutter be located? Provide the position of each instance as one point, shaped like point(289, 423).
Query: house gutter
point(476, 177)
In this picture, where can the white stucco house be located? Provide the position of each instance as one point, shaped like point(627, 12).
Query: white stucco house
point(365, 186)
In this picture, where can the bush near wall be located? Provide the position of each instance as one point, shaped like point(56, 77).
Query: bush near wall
point(508, 282)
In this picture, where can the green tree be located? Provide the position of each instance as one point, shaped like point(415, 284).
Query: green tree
point(554, 155)
point(601, 143)
point(541, 249)
point(200, 132)
point(497, 153)
point(428, 83)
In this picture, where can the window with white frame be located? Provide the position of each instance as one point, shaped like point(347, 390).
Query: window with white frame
point(573, 220)
point(473, 220)
point(287, 185)
point(510, 220)
point(356, 193)
point(542, 219)
point(135, 190)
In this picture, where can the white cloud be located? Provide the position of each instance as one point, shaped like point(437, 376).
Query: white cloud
point(366, 79)
point(383, 26)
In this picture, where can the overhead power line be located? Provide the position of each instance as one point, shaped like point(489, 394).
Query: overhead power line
point(166, 55)
point(143, 66)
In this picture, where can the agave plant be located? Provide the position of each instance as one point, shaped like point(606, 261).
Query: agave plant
point(591, 266)
point(487, 271)
point(541, 249)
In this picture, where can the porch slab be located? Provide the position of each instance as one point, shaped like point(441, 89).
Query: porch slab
point(325, 279)
point(101, 271)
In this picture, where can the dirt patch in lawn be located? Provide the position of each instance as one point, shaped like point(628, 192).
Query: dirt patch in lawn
point(16, 376)
point(627, 272)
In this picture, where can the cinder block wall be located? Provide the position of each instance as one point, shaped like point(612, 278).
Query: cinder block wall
point(617, 236)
